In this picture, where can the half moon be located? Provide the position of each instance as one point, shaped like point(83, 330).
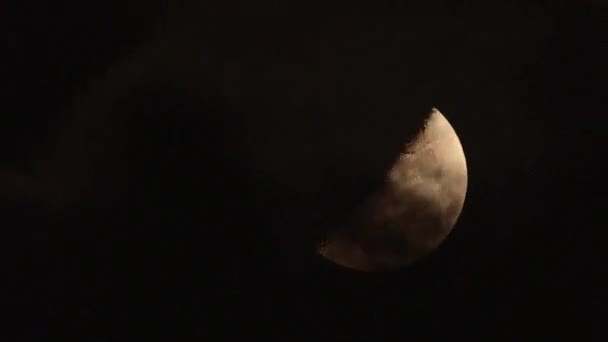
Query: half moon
point(417, 208)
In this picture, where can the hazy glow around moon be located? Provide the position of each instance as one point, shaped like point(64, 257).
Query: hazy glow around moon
point(419, 205)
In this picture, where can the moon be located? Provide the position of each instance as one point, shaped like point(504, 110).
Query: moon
point(418, 206)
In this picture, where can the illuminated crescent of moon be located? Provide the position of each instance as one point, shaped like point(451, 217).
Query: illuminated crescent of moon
point(411, 216)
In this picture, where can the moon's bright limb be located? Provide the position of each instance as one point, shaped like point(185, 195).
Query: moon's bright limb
point(411, 216)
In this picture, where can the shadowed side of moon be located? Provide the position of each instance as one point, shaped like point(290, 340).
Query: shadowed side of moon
point(411, 216)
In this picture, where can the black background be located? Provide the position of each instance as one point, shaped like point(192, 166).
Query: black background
point(525, 258)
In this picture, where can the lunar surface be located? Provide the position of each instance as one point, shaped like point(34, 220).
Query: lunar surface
point(412, 215)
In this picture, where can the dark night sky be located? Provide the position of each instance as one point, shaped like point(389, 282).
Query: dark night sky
point(526, 254)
